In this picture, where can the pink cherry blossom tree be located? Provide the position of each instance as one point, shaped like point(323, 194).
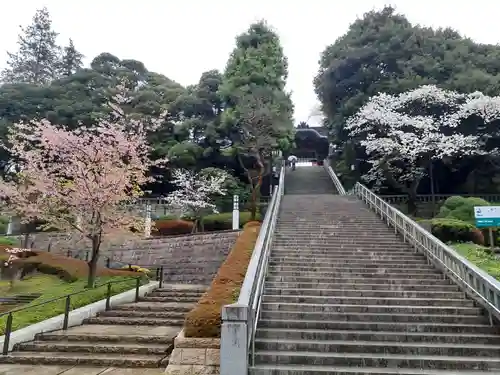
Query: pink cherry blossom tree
point(82, 180)
point(196, 192)
point(402, 135)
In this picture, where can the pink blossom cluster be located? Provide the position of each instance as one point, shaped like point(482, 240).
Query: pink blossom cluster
point(82, 180)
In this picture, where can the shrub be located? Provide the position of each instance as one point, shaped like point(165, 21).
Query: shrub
point(68, 269)
point(4, 223)
point(478, 237)
point(454, 202)
point(136, 269)
point(8, 241)
point(204, 320)
point(452, 230)
point(172, 227)
point(251, 224)
point(461, 208)
point(224, 221)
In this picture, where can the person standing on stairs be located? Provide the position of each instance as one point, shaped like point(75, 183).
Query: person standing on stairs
point(292, 159)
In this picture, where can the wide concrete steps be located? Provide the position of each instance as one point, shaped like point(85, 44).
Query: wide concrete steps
point(345, 295)
point(299, 181)
point(86, 359)
point(340, 370)
point(131, 335)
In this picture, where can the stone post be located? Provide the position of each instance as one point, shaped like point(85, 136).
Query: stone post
point(147, 221)
point(10, 226)
point(236, 213)
point(234, 340)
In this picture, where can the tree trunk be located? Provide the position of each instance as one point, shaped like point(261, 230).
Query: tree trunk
point(255, 198)
point(412, 204)
point(96, 244)
point(412, 198)
point(254, 186)
point(411, 191)
point(26, 240)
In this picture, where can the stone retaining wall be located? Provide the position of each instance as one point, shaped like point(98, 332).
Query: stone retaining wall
point(194, 356)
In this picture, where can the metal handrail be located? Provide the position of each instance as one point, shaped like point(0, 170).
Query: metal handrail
point(67, 306)
point(239, 320)
point(333, 176)
point(475, 282)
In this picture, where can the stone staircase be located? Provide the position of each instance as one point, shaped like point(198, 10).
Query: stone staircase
point(137, 334)
point(131, 335)
point(345, 295)
point(308, 180)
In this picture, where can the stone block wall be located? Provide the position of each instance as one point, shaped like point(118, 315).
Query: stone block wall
point(194, 356)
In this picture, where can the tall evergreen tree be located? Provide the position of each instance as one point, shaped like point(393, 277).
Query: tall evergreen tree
point(258, 112)
point(37, 59)
point(71, 60)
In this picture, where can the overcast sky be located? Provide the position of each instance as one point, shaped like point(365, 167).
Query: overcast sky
point(183, 38)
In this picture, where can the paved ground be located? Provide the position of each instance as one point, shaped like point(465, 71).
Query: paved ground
point(70, 370)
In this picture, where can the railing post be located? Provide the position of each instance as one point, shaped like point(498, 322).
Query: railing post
point(161, 277)
point(137, 286)
point(147, 221)
point(67, 307)
point(234, 340)
point(8, 330)
point(236, 212)
point(108, 298)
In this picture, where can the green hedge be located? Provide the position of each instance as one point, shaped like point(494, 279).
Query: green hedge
point(224, 221)
point(11, 241)
point(461, 208)
point(453, 230)
point(214, 222)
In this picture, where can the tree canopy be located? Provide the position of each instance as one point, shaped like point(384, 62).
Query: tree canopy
point(383, 52)
point(204, 121)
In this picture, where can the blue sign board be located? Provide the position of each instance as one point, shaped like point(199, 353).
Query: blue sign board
point(487, 216)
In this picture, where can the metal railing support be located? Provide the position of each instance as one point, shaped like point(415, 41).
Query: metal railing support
point(239, 319)
point(475, 282)
point(333, 176)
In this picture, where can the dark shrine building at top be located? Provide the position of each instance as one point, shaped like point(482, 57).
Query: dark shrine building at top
point(310, 142)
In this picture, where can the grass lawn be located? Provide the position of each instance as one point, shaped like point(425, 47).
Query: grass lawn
point(479, 256)
point(32, 285)
point(52, 287)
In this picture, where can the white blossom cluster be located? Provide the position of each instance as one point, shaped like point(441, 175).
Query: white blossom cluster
point(196, 190)
point(14, 255)
point(403, 133)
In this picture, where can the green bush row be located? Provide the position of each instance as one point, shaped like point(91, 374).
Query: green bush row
point(455, 221)
point(216, 222)
point(452, 230)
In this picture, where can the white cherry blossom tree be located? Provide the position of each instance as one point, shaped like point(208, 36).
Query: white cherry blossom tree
point(196, 191)
point(402, 135)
